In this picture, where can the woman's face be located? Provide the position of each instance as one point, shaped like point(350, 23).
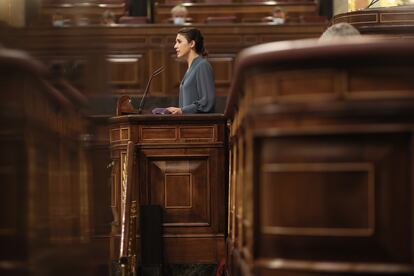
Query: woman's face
point(182, 46)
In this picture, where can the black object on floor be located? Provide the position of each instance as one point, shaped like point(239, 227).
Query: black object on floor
point(190, 269)
point(151, 240)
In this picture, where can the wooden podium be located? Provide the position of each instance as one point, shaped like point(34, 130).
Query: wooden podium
point(179, 163)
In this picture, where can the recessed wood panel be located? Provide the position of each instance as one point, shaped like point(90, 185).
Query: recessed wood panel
point(324, 199)
point(115, 134)
point(193, 250)
point(119, 134)
point(302, 84)
point(176, 70)
point(198, 133)
point(224, 39)
point(396, 17)
point(158, 134)
point(389, 82)
point(181, 186)
point(178, 190)
point(124, 133)
point(326, 189)
point(126, 72)
point(363, 18)
point(222, 67)
point(293, 86)
point(405, 17)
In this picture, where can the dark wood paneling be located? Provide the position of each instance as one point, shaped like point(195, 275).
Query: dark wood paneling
point(180, 165)
point(390, 21)
point(342, 191)
point(321, 160)
point(126, 73)
point(46, 189)
point(106, 61)
point(182, 188)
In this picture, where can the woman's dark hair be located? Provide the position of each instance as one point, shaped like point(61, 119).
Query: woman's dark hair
point(194, 34)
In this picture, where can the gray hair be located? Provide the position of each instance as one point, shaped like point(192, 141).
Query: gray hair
point(339, 30)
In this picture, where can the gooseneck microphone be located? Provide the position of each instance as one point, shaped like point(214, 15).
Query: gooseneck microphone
point(155, 73)
point(372, 3)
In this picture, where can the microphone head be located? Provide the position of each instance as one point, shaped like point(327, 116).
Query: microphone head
point(158, 71)
point(155, 73)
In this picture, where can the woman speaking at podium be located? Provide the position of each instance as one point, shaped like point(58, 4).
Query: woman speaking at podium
point(197, 91)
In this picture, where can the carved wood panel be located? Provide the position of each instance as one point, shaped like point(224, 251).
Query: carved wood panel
point(180, 165)
point(182, 188)
point(126, 73)
point(183, 182)
point(223, 70)
point(96, 58)
point(332, 188)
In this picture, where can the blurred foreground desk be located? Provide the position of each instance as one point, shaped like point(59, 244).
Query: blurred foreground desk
point(179, 163)
point(321, 159)
point(44, 197)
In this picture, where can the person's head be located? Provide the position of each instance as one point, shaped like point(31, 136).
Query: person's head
point(58, 20)
point(339, 30)
point(278, 15)
point(179, 13)
point(189, 40)
point(108, 17)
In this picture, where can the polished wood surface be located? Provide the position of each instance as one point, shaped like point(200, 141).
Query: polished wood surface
point(180, 165)
point(320, 174)
point(390, 21)
point(97, 148)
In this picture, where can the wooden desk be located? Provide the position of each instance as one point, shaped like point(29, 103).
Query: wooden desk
point(321, 159)
point(392, 21)
point(43, 167)
point(180, 164)
point(243, 11)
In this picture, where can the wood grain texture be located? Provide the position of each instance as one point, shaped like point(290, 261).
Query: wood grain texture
point(320, 159)
point(107, 61)
point(181, 166)
point(46, 189)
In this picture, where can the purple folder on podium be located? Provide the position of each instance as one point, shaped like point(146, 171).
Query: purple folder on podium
point(160, 110)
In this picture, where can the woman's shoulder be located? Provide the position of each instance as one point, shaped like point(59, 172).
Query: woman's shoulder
point(203, 64)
